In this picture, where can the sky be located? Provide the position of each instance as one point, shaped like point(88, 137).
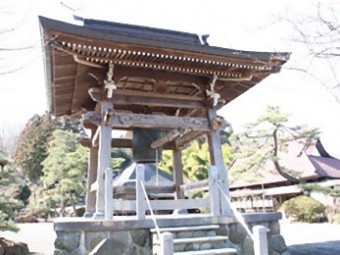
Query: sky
point(242, 25)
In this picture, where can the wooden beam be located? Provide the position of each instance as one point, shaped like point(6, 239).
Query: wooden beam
point(121, 120)
point(122, 71)
point(131, 120)
point(202, 185)
point(187, 138)
point(180, 204)
point(129, 97)
point(126, 190)
point(167, 138)
point(120, 143)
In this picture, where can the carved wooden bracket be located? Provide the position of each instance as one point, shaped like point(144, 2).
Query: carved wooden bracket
point(219, 123)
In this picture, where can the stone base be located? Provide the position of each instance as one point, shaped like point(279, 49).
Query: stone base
point(80, 236)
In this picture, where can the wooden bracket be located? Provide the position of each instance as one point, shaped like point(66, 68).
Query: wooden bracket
point(219, 123)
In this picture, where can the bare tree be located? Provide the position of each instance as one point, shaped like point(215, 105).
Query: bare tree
point(16, 51)
point(8, 141)
point(317, 32)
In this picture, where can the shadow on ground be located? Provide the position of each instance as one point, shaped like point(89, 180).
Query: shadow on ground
point(321, 248)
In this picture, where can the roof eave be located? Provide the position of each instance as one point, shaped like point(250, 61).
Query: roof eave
point(47, 55)
point(54, 25)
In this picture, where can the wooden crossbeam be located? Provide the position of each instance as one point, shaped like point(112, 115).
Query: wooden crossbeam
point(167, 138)
point(131, 120)
point(120, 143)
point(182, 141)
point(130, 97)
point(149, 188)
point(181, 204)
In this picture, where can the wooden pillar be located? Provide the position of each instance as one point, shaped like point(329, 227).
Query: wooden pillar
point(213, 191)
point(216, 159)
point(91, 178)
point(108, 194)
point(140, 196)
point(178, 173)
point(104, 157)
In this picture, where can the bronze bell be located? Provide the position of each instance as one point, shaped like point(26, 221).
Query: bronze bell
point(142, 138)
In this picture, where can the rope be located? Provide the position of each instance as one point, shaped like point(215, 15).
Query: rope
point(153, 217)
point(237, 214)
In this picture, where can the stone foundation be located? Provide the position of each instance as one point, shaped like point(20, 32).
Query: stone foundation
point(134, 241)
point(131, 237)
point(239, 240)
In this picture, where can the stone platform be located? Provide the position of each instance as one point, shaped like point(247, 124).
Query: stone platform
point(77, 236)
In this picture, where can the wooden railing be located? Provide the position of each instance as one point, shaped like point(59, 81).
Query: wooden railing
point(259, 234)
point(116, 205)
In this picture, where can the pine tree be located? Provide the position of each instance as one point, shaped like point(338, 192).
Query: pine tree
point(195, 159)
point(262, 142)
point(32, 145)
point(64, 170)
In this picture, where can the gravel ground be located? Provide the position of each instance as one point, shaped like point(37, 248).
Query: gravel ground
point(302, 239)
point(312, 239)
point(38, 236)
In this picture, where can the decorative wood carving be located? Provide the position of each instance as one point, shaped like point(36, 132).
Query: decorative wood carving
point(128, 120)
point(121, 120)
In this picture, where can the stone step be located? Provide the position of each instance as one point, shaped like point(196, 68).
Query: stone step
point(223, 251)
point(187, 228)
point(200, 239)
point(203, 239)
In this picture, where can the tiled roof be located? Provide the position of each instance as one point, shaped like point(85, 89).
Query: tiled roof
point(307, 162)
point(148, 61)
point(326, 167)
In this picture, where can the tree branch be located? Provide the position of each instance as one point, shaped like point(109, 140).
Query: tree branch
point(276, 162)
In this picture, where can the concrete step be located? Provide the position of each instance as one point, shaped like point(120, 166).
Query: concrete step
point(223, 251)
point(196, 240)
point(203, 239)
point(187, 228)
point(200, 239)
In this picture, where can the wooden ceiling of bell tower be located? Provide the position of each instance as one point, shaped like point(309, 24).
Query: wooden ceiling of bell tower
point(167, 75)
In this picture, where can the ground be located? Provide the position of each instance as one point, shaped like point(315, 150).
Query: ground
point(302, 239)
point(313, 239)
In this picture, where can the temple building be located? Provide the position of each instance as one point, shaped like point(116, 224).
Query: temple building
point(165, 87)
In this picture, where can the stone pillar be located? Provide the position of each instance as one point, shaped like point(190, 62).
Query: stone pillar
point(104, 157)
point(216, 158)
point(260, 240)
point(90, 199)
point(178, 173)
point(167, 244)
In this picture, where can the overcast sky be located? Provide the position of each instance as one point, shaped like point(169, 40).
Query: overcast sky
point(243, 25)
